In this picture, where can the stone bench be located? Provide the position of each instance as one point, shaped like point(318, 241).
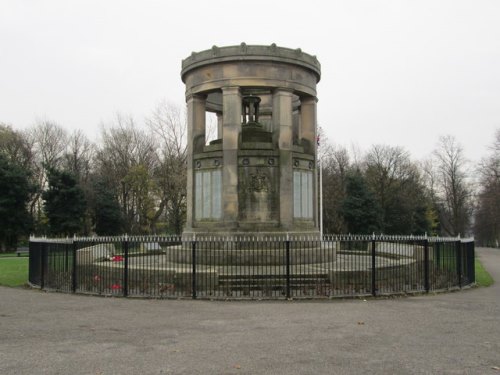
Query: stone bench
point(22, 250)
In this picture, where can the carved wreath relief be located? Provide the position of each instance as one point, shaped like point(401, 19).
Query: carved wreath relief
point(259, 183)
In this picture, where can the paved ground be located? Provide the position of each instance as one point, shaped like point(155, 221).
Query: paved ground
point(51, 333)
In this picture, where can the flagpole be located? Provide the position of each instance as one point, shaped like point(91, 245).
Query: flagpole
point(320, 165)
point(321, 198)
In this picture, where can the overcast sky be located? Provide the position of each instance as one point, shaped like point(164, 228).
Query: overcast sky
point(398, 72)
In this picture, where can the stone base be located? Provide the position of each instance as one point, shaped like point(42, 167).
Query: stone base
point(255, 253)
point(225, 234)
point(250, 248)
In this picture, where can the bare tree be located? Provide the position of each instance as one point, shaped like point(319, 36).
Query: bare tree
point(15, 146)
point(429, 180)
point(336, 165)
point(127, 160)
point(454, 191)
point(487, 216)
point(48, 142)
point(385, 167)
point(168, 123)
point(79, 156)
point(398, 186)
point(78, 160)
point(388, 164)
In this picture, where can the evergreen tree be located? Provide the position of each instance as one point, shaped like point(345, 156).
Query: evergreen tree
point(398, 188)
point(15, 191)
point(64, 203)
point(107, 211)
point(406, 211)
point(360, 209)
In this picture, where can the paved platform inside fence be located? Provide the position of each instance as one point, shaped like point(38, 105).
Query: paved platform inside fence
point(55, 333)
point(348, 275)
point(343, 263)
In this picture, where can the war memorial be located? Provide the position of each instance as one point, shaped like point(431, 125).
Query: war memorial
point(252, 227)
point(259, 175)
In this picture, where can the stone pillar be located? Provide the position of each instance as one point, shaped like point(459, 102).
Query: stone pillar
point(308, 132)
point(231, 128)
point(308, 123)
point(282, 124)
point(219, 125)
point(196, 142)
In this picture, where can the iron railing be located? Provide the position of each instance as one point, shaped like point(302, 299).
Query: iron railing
point(251, 267)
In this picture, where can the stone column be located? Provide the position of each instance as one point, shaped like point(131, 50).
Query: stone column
point(219, 125)
point(282, 124)
point(308, 132)
point(231, 128)
point(196, 142)
point(308, 123)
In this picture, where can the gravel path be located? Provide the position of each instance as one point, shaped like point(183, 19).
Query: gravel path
point(52, 333)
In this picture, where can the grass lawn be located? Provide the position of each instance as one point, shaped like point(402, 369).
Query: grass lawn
point(483, 278)
point(7, 255)
point(13, 270)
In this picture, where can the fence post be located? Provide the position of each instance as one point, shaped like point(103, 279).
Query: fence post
point(426, 266)
point(43, 255)
point(472, 262)
point(66, 257)
point(374, 266)
point(30, 261)
point(438, 253)
point(73, 271)
point(125, 267)
point(458, 253)
point(287, 255)
point(193, 277)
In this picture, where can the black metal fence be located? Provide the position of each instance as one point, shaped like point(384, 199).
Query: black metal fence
point(251, 267)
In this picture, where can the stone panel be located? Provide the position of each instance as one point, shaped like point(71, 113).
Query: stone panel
point(258, 193)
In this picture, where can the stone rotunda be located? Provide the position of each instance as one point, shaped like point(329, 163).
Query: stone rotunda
point(259, 175)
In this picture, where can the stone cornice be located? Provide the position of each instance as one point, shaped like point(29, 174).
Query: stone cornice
point(245, 52)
